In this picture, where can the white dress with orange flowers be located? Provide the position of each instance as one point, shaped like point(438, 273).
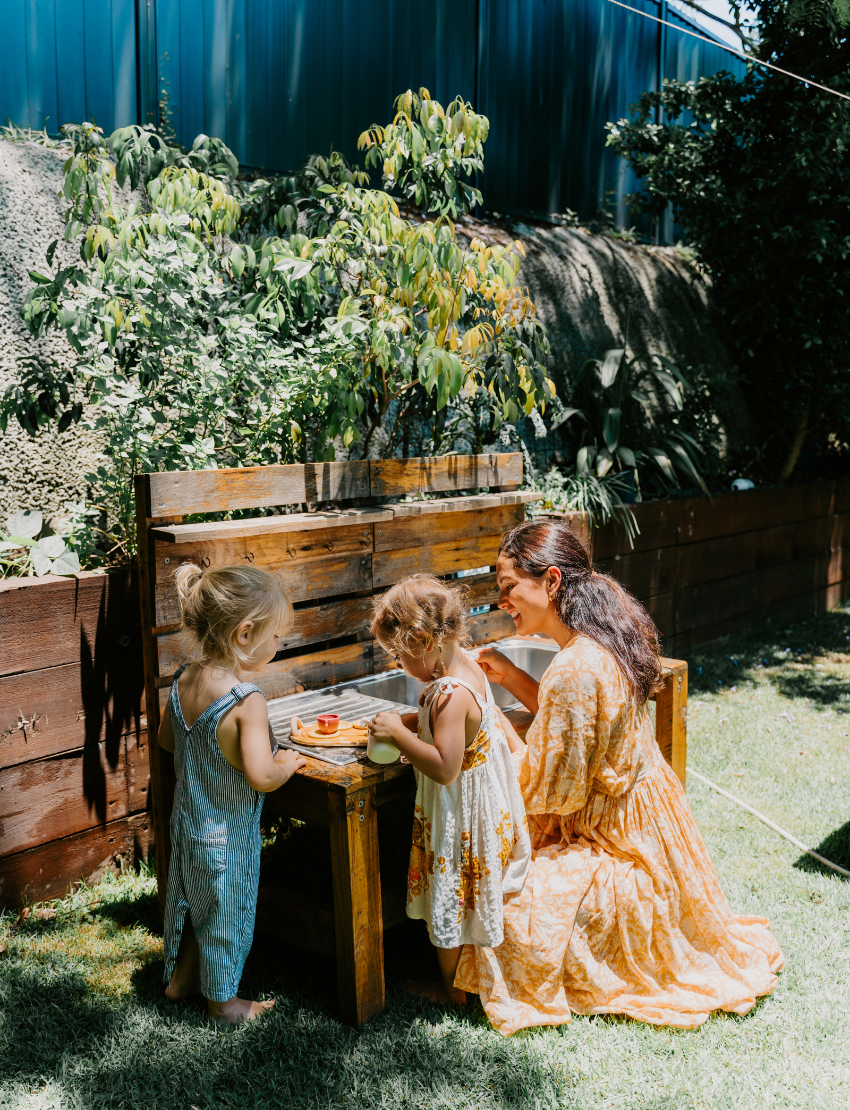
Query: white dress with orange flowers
point(470, 839)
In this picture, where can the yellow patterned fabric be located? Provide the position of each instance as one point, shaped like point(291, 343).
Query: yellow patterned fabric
point(621, 911)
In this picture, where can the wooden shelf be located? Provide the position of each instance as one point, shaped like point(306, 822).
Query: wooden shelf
point(338, 518)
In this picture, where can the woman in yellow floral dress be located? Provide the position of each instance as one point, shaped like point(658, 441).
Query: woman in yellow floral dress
point(621, 911)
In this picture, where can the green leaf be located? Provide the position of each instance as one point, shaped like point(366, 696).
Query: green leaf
point(40, 278)
point(51, 546)
point(610, 366)
point(564, 415)
point(27, 522)
point(67, 563)
point(41, 564)
point(611, 428)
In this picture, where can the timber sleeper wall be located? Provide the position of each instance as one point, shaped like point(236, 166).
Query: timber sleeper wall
point(706, 567)
point(73, 744)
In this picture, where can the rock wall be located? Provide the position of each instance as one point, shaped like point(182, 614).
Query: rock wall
point(45, 472)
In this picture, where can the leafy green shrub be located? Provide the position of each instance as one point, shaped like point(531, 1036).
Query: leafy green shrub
point(757, 173)
point(585, 492)
point(30, 547)
point(428, 154)
point(618, 430)
point(219, 322)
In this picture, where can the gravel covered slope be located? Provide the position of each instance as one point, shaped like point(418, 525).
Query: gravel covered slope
point(46, 472)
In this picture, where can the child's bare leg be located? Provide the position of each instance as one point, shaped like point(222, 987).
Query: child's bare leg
point(445, 992)
point(186, 978)
point(235, 1010)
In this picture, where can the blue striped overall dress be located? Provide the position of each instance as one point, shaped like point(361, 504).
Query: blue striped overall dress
point(215, 849)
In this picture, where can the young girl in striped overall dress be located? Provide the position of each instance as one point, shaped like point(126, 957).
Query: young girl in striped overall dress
point(226, 759)
point(471, 846)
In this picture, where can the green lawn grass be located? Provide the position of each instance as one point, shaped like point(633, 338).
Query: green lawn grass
point(83, 1023)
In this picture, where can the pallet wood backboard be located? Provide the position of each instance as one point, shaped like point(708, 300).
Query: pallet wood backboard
point(331, 561)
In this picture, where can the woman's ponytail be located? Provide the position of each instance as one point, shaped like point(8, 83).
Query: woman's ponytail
point(593, 604)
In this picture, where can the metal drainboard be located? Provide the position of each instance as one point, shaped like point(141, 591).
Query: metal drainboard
point(351, 705)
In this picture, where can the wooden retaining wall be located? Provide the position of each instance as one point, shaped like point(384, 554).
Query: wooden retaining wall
point(73, 746)
point(73, 743)
point(705, 567)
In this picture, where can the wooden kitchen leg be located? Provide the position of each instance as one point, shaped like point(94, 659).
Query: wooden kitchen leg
point(357, 905)
point(671, 715)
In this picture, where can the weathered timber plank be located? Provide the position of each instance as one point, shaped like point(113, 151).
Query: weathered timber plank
point(486, 627)
point(779, 613)
point(389, 567)
point(308, 672)
point(48, 871)
point(358, 919)
point(662, 609)
point(752, 510)
point(659, 523)
point(56, 797)
point(317, 568)
point(840, 496)
point(462, 504)
point(644, 573)
point(671, 710)
point(269, 525)
point(396, 477)
point(50, 621)
point(162, 775)
point(577, 523)
point(729, 597)
point(216, 491)
point(424, 531)
point(728, 556)
point(55, 710)
point(314, 623)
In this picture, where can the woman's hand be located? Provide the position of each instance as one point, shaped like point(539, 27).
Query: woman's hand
point(494, 664)
point(500, 670)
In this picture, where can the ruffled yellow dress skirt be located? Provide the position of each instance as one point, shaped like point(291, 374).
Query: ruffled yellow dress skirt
point(621, 911)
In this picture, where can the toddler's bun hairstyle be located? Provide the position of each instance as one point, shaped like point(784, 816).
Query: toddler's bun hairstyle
point(418, 610)
point(214, 603)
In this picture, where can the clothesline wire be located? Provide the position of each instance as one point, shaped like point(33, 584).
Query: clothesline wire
point(772, 824)
point(731, 49)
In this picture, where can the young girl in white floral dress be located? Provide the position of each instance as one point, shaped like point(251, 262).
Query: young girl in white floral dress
point(470, 835)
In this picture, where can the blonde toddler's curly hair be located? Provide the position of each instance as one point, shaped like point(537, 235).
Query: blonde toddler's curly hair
point(417, 611)
point(214, 603)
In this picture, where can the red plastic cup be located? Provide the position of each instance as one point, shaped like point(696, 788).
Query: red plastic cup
point(328, 723)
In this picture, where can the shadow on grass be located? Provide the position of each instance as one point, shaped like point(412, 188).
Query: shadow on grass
point(834, 847)
point(744, 656)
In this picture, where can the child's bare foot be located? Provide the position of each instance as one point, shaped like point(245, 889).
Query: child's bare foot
point(436, 992)
point(177, 990)
point(235, 1010)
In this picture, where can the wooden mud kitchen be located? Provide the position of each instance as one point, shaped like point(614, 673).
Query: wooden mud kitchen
point(373, 523)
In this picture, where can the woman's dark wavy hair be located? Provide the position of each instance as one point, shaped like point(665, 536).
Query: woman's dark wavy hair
point(588, 602)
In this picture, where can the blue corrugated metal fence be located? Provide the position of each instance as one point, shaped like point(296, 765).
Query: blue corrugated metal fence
point(281, 79)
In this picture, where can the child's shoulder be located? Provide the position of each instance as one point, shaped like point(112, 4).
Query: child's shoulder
point(213, 682)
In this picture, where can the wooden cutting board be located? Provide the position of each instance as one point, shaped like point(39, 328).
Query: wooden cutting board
point(347, 735)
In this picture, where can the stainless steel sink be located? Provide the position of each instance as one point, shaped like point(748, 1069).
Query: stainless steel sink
point(398, 688)
point(531, 655)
